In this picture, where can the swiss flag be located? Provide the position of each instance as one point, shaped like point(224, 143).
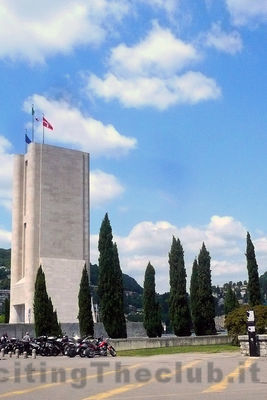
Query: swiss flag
point(47, 124)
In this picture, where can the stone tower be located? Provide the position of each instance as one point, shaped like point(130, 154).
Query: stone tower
point(50, 227)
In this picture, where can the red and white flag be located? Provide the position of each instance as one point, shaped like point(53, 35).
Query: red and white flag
point(47, 124)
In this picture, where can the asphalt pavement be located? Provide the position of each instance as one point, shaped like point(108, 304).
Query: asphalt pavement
point(182, 376)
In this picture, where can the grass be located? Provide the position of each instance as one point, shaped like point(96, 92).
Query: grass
point(212, 348)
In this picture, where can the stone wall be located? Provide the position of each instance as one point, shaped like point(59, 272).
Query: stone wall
point(168, 341)
point(262, 345)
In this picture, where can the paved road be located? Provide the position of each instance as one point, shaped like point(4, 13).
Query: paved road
point(183, 376)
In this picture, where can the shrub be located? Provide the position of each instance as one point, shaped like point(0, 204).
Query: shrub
point(236, 321)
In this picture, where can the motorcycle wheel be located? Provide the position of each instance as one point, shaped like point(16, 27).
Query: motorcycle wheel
point(55, 351)
point(112, 351)
point(71, 352)
point(90, 353)
point(82, 353)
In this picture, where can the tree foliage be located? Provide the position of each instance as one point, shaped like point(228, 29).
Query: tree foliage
point(179, 308)
point(85, 317)
point(152, 316)
point(254, 294)
point(110, 287)
point(230, 301)
point(206, 310)
point(45, 320)
point(236, 321)
point(194, 298)
point(7, 310)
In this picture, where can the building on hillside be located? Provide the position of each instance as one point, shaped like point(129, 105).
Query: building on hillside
point(50, 227)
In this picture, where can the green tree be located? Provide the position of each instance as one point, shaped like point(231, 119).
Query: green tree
point(152, 317)
point(56, 327)
point(7, 309)
point(110, 295)
point(179, 308)
point(230, 301)
point(194, 298)
point(85, 317)
point(254, 294)
point(120, 330)
point(206, 301)
point(42, 306)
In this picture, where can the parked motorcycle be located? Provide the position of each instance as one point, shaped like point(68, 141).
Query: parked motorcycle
point(100, 347)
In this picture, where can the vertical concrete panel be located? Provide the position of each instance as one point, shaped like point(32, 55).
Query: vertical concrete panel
point(17, 226)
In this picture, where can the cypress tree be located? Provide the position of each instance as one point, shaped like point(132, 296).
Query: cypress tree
point(85, 317)
point(254, 295)
point(194, 298)
point(120, 330)
point(44, 318)
point(152, 317)
point(56, 327)
point(206, 301)
point(230, 301)
point(110, 288)
point(179, 308)
point(7, 309)
point(41, 306)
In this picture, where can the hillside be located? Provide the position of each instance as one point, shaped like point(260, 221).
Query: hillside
point(129, 283)
point(5, 255)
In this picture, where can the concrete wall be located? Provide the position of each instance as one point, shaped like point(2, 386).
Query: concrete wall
point(168, 341)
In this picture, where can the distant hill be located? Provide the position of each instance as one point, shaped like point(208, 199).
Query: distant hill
point(5, 255)
point(129, 283)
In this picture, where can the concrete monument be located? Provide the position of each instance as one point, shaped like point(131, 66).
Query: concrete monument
point(50, 227)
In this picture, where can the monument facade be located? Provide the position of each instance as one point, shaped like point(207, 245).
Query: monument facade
point(50, 227)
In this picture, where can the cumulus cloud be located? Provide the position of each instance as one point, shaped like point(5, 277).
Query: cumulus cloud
point(5, 238)
point(6, 171)
point(146, 74)
point(160, 52)
point(246, 11)
point(223, 41)
point(32, 30)
point(98, 181)
point(71, 127)
point(224, 237)
point(189, 88)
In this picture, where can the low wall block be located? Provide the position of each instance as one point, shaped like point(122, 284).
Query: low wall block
point(262, 345)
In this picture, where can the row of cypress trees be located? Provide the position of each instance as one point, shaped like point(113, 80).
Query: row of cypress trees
point(199, 311)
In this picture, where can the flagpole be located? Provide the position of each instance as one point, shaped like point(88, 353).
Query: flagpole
point(43, 128)
point(26, 131)
point(33, 112)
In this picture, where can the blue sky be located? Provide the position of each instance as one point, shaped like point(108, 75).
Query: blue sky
point(169, 98)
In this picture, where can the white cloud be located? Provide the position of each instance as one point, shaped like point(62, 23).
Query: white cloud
point(103, 188)
point(146, 74)
point(71, 127)
point(170, 6)
point(246, 11)
point(160, 52)
point(5, 238)
point(160, 93)
point(33, 30)
point(6, 171)
point(226, 42)
point(220, 268)
point(224, 237)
